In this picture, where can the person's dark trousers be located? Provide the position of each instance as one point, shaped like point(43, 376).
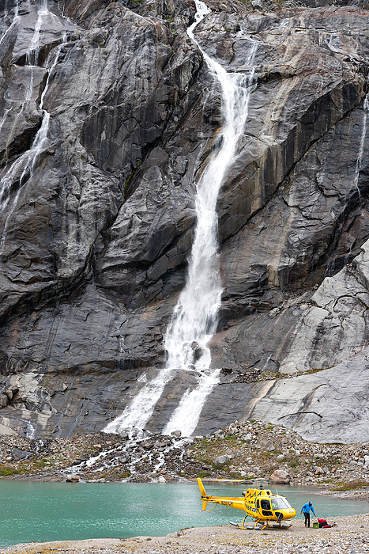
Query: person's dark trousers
point(307, 519)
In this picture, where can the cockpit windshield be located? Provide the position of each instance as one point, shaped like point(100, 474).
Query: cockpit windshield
point(280, 504)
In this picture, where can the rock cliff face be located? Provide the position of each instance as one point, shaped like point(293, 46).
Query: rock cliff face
point(108, 114)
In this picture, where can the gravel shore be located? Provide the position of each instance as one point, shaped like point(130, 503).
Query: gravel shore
point(349, 536)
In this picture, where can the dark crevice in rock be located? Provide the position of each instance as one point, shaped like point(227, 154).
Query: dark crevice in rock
point(270, 76)
point(41, 296)
point(20, 143)
point(133, 180)
point(37, 57)
point(300, 413)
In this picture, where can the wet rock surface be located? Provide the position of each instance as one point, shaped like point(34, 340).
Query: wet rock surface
point(97, 219)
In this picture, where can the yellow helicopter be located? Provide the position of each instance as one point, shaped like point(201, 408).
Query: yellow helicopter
point(260, 504)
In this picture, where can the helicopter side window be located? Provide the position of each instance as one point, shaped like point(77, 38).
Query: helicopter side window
point(265, 508)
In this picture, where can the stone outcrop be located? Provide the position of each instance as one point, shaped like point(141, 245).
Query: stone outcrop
point(280, 476)
point(97, 218)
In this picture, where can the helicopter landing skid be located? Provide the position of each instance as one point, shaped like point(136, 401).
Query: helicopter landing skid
point(258, 526)
point(277, 525)
point(248, 527)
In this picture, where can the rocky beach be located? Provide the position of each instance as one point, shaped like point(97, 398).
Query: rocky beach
point(349, 536)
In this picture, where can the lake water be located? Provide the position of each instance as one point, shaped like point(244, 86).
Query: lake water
point(60, 511)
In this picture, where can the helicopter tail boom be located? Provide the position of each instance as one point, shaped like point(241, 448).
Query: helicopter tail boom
point(204, 496)
point(201, 487)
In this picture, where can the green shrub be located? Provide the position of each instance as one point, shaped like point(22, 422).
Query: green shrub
point(7, 471)
point(350, 486)
point(204, 474)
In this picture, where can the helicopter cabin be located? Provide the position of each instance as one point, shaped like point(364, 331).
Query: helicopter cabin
point(264, 502)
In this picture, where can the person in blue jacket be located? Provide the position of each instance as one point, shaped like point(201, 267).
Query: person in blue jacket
point(306, 511)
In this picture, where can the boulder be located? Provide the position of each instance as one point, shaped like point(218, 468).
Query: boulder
point(176, 433)
point(222, 460)
point(280, 476)
point(19, 454)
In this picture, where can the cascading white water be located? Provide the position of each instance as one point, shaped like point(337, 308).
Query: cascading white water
point(194, 320)
point(139, 411)
point(14, 22)
point(24, 166)
point(195, 317)
point(33, 49)
point(362, 144)
point(16, 19)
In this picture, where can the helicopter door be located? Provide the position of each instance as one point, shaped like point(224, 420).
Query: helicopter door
point(265, 508)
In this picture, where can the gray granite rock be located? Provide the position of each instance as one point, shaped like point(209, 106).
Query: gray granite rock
point(96, 230)
point(326, 406)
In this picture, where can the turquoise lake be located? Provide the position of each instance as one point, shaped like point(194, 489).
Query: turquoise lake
point(61, 511)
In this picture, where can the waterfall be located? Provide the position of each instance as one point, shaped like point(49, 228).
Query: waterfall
point(195, 316)
point(16, 19)
point(23, 168)
point(14, 22)
point(30, 430)
point(34, 47)
point(362, 144)
point(139, 411)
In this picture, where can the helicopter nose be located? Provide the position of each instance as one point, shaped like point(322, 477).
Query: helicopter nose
point(286, 514)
